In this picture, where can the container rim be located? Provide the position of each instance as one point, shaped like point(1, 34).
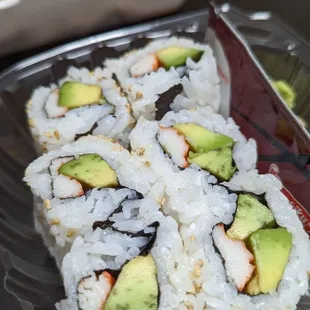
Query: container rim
point(98, 38)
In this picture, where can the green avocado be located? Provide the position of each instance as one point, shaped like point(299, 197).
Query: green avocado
point(202, 140)
point(251, 215)
point(219, 162)
point(74, 95)
point(91, 170)
point(271, 249)
point(286, 91)
point(175, 56)
point(136, 287)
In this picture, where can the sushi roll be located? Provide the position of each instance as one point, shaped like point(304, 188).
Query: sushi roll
point(196, 138)
point(81, 183)
point(260, 259)
point(104, 254)
point(120, 264)
point(83, 102)
point(177, 65)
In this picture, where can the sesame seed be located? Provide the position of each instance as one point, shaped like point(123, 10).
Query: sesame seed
point(55, 222)
point(71, 233)
point(197, 268)
point(197, 288)
point(47, 204)
point(56, 134)
point(141, 151)
point(139, 95)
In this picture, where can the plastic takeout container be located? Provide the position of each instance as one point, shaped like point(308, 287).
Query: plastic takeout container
point(284, 147)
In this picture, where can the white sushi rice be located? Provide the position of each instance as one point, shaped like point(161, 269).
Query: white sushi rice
point(113, 120)
point(72, 217)
point(200, 86)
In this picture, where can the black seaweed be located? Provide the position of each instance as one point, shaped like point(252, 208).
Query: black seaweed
point(102, 224)
point(117, 81)
point(108, 223)
point(89, 132)
point(164, 100)
point(145, 250)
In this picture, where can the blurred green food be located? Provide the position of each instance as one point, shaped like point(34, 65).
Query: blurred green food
point(288, 94)
point(286, 91)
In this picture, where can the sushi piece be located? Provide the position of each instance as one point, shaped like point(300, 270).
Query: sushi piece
point(81, 183)
point(198, 138)
point(132, 282)
point(107, 262)
point(270, 247)
point(216, 144)
point(176, 67)
point(120, 262)
point(81, 103)
point(259, 259)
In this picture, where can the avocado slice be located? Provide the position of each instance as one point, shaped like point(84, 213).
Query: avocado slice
point(271, 249)
point(251, 215)
point(136, 287)
point(218, 162)
point(175, 56)
point(201, 139)
point(74, 95)
point(286, 91)
point(91, 170)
